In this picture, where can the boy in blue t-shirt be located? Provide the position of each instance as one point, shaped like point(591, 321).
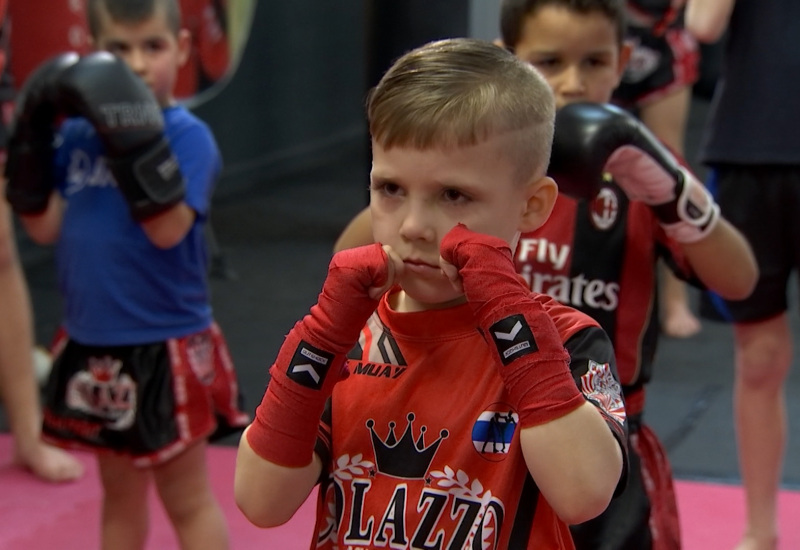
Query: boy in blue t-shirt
point(141, 373)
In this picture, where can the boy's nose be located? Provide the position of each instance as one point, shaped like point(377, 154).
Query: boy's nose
point(136, 61)
point(416, 225)
point(572, 81)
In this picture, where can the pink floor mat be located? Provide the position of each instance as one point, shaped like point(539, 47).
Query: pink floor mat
point(39, 516)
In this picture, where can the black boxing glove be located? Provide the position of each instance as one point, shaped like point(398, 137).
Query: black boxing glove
point(29, 168)
point(592, 139)
point(128, 119)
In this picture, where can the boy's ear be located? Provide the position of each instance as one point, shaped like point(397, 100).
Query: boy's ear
point(500, 44)
point(625, 51)
point(540, 199)
point(184, 46)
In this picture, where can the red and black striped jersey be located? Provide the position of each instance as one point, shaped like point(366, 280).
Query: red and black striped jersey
point(421, 448)
point(600, 257)
point(655, 14)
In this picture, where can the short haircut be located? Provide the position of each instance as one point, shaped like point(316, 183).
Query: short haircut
point(514, 12)
point(131, 11)
point(459, 92)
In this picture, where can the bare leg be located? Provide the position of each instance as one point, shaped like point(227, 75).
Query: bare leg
point(19, 390)
point(677, 319)
point(763, 357)
point(666, 118)
point(184, 488)
point(125, 518)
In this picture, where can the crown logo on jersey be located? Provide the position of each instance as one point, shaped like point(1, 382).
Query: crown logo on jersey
point(405, 458)
point(104, 369)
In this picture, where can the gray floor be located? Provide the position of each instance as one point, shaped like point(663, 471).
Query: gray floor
point(277, 240)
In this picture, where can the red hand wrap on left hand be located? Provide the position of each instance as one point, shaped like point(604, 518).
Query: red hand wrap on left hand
point(312, 358)
point(531, 358)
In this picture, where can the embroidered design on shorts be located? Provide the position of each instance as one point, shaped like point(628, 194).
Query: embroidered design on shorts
point(199, 351)
point(103, 392)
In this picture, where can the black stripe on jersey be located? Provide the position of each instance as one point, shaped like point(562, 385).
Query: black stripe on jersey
point(356, 353)
point(526, 510)
point(598, 254)
point(389, 350)
point(324, 442)
point(592, 344)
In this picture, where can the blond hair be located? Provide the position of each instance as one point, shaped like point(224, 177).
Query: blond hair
point(460, 92)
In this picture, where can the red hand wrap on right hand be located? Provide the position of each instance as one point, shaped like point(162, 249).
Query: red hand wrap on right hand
point(312, 358)
point(531, 357)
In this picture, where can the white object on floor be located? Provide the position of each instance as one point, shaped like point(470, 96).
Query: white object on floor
point(42, 363)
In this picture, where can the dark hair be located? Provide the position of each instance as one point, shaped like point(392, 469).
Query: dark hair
point(514, 12)
point(131, 11)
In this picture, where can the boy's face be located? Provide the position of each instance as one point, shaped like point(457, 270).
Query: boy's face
point(578, 54)
point(417, 196)
point(150, 48)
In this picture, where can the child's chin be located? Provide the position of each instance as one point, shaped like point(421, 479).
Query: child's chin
point(432, 296)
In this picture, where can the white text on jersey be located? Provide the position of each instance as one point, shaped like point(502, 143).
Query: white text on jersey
point(544, 251)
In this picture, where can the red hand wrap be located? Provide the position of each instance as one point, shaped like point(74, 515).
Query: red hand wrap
point(312, 358)
point(531, 357)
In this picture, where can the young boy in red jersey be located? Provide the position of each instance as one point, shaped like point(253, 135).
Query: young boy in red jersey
point(434, 398)
point(599, 250)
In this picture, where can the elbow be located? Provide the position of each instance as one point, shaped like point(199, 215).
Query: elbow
point(167, 229)
point(260, 518)
point(705, 31)
point(741, 285)
point(587, 506)
point(258, 512)
point(741, 292)
point(592, 493)
point(165, 242)
point(42, 239)
point(165, 235)
point(39, 233)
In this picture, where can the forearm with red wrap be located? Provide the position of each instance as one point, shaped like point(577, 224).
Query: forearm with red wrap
point(531, 358)
point(312, 358)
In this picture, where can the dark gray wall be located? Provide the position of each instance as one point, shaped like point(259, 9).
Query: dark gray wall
point(296, 98)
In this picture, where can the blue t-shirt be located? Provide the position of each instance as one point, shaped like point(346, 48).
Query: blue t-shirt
point(117, 287)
